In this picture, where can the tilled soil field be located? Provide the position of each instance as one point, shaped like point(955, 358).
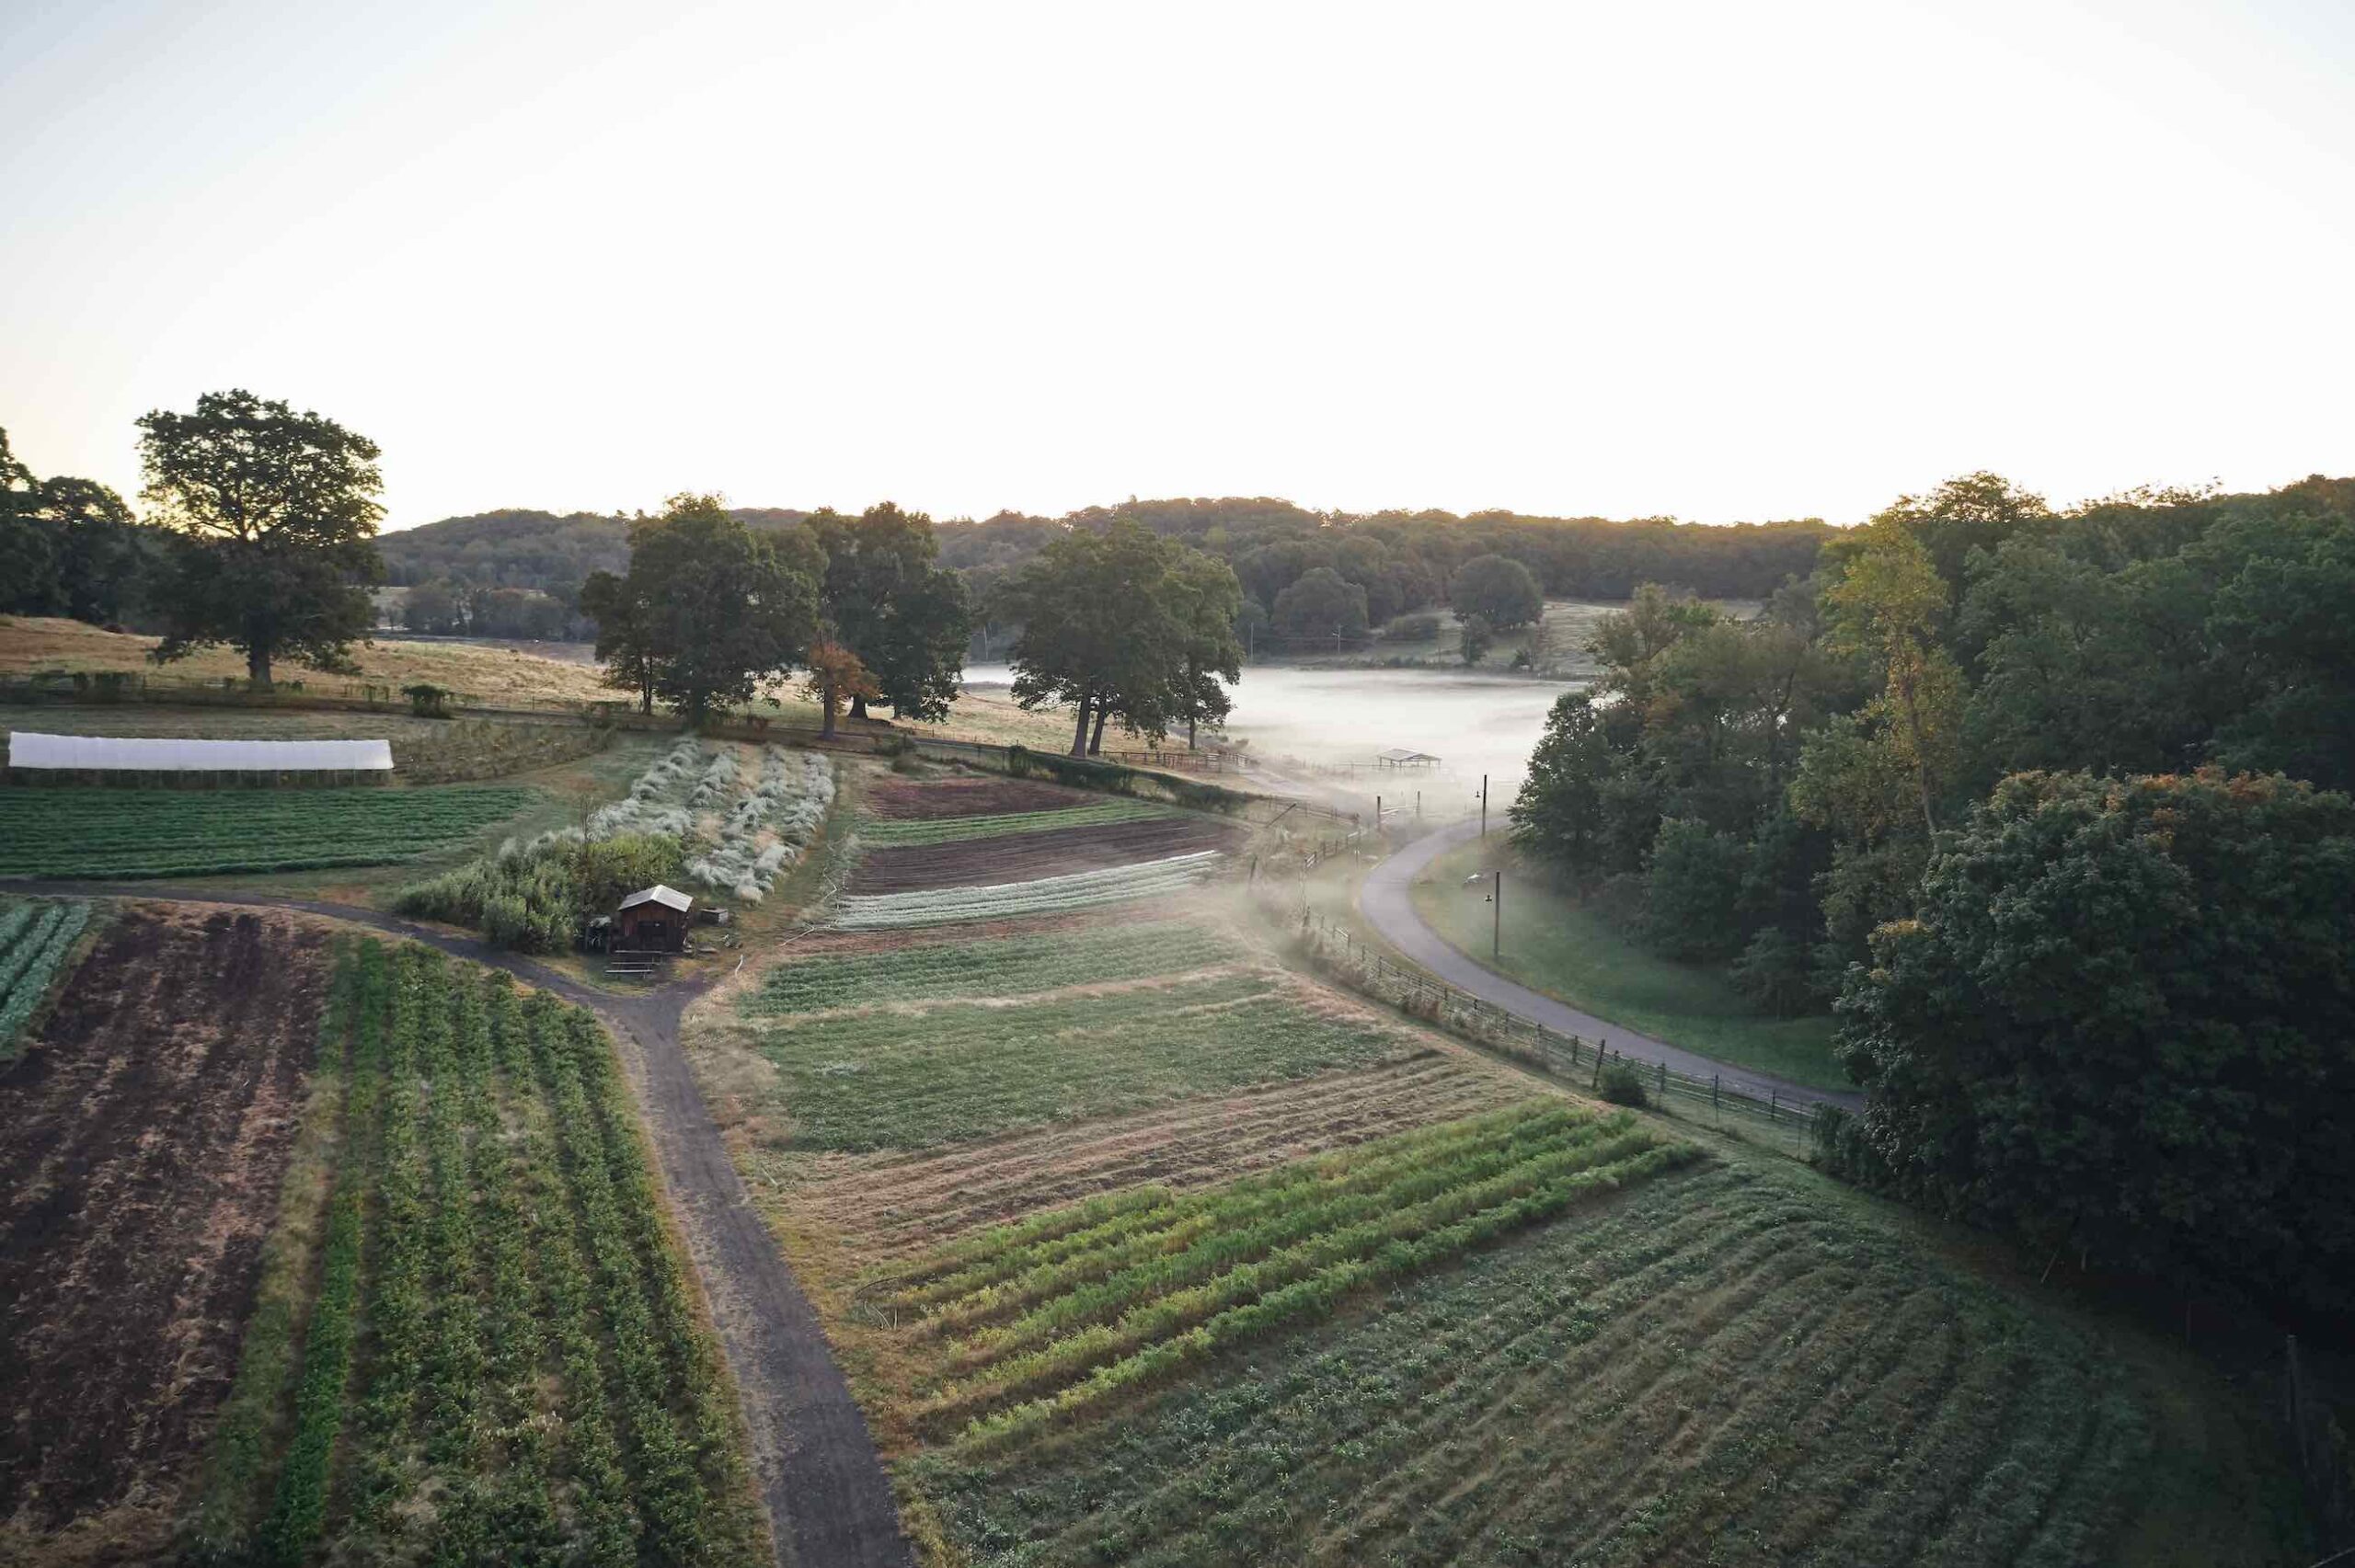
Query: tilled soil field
point(143, 1137)
point(909, 800)
point(891, 1205)
point(1021, 857)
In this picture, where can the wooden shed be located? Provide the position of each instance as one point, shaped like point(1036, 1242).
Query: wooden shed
point(654, 919)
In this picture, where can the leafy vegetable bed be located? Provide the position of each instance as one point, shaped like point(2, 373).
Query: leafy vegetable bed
point(883, 1079)
point(532, 1384)
point(1010, 966)
point(882, 831)
point(35, 937)
point(122, 832)
point(1052, 1316)
point(1045, 895)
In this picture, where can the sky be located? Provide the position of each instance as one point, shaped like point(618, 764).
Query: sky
point(1719, 261)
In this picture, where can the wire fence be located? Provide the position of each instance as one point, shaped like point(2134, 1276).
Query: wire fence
point(2325, 1457)
point(1729, 1103)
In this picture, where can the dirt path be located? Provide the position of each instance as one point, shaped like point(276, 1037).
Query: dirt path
point(1389, 908)
point(829, 1502)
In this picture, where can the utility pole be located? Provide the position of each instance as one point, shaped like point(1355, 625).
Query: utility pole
point(1484, 806)
point(1497, 907)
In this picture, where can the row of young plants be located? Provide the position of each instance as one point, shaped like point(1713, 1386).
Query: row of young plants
point(1724, 1366)
point(880, 1079)
point(1008, 966)
point(534, 1386)
point(1040, 896)
point(1039, 1325)
point(124, 832)
point(877, 832)
point(36, 937)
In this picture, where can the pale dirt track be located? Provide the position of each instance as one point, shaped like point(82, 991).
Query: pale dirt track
point(828, 1499)
point(1389, 908)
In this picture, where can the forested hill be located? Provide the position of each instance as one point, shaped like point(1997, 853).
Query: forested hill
point(516, 547)
point(1271, 542)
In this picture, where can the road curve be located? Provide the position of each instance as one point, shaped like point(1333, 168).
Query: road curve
point(1385, 903)
point(828, 1499)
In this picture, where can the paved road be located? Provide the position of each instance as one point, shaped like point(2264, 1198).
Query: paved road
point(828, 1499)
point(1385, 901)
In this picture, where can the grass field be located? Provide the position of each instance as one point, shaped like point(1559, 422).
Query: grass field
point(502, 1360)
point(1567, 949)
point(125, 832)
point(36, 937)
point(29, 643)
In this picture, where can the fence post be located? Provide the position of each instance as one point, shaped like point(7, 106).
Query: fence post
point(1773, 1102)
point(1664, 1081)
point(1713, 1094)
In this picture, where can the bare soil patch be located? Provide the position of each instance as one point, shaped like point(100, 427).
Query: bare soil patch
point(1021, 857)
point(913, 800)
point(142, 1138)
point(887, 1204)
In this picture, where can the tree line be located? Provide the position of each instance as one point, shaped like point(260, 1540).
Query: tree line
point(2049, 808)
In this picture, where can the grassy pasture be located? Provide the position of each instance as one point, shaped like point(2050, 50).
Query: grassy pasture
point(51, 831)
point(1571, 950)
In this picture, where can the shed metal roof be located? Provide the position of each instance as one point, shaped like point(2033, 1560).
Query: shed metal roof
point(1405, 754)
point(122, 753)
point(668, 897)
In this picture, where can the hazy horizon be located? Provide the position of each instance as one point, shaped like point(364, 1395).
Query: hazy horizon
point(1720, 263)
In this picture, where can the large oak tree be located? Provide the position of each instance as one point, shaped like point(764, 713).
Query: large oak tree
point(276, 515)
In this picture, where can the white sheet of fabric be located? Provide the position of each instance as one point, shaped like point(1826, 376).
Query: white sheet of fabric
point(133, 754)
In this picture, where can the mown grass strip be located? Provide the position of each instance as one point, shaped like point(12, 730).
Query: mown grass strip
point(880, 833)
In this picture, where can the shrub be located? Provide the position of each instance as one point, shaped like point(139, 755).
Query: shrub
point(1777, 973)
point(1411, 629)
point(1622, 1086)
point(531, 898)
point(428, 700)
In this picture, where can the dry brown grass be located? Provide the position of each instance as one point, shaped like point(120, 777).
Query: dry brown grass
point(39, 643)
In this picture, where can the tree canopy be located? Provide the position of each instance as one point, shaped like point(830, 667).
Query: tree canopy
point(275, 515)
point(708, 610)
point(905, 619)
point(2122, 1021)
point(72, 546)
point(1498, 590)
point(1115, 624)
point(1321, 607)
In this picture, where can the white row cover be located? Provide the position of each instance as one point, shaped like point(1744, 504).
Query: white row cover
point(117, 753)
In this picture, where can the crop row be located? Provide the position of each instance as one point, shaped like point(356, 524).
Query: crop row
point(1045, 895)
point(113, 833)
point(1113, 1307)
point(880, 833)
point(533, 1385)
point(1010, 966)
point(1723, 1366)
point(865, 1080)
point(35, 938)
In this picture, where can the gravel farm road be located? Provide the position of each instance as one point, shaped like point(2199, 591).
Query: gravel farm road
point(828, 1500)
point(1389, 908)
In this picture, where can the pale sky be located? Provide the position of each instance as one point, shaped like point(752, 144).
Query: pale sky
point(1715, 260)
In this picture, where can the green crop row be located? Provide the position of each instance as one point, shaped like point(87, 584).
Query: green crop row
point(1723, 1366)
point(535, 1386)
point(1015, 966)
point(1234, 1282)
point(34, 941)
point(869, 1080)
point(877, 832)
point(121, 832)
